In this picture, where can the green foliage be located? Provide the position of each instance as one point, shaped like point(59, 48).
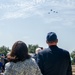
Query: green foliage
point(31, 48)
point(73, 57)
point(4, 50)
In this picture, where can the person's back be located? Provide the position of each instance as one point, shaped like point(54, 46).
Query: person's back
point(20, 62)
point(27, 67)
point(54, 60)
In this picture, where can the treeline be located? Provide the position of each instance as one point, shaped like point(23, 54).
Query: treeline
point(73, 57)
point(4, 50)
point(31, 48)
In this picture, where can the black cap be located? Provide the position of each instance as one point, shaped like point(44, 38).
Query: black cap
point(51, 36)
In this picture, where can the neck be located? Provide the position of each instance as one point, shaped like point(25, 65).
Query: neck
point(52, 44)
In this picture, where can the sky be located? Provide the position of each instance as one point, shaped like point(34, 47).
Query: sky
point(31, 20)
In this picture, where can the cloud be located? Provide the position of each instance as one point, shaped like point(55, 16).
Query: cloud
point(50, 20)
point(39, 1)
point(24, 9)
point(16, 10)
point(0, 33)
point(26, 37)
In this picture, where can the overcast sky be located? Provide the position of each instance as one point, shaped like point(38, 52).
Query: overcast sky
point(31, 20)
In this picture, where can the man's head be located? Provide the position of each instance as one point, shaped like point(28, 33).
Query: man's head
point(37, 50)
point(51, 38)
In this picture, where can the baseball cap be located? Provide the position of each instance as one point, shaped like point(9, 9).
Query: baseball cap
point(51, 36)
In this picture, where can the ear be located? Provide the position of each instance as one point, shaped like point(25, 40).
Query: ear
point(47, 42)
point(57, 41)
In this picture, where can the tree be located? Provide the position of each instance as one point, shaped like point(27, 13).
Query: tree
point(4, 50)
point(32, 48)
point(73, 57)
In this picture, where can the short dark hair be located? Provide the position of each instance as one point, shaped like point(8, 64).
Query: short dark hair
point(19, 52)
point(51, 37)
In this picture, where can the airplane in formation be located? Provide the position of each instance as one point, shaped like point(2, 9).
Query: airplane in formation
point(52, 11)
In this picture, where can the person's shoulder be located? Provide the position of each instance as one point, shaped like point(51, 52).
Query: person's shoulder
point(8, 65)
point(44, 51)
point(33, 60)
point(30, 61)
point(65, 52)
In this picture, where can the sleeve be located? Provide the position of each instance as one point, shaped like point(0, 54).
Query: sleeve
point(69, 70)
point(7, 69)
point(40, 62)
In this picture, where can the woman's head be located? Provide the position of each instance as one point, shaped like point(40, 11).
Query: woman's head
point(19, 52)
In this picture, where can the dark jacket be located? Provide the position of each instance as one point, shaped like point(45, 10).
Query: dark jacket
point(54, 61)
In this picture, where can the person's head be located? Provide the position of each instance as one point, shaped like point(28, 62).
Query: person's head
point(51, 39)
point(41, 48)
point(37, 50)
point(19, 52)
